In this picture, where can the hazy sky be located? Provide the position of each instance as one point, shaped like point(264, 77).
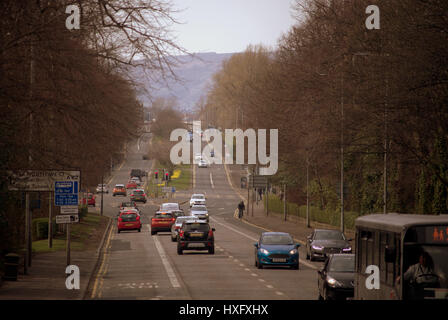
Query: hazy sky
point(225, 26)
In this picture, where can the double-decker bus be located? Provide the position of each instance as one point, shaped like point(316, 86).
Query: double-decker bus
point(411, 252)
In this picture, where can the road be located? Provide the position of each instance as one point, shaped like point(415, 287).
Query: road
point(140, 266)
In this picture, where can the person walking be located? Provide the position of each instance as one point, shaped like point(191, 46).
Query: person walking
point(241, 209)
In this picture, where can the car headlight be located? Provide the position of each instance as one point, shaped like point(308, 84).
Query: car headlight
point(317, 247)
point(332, 282)
point(347, 249)
point(293, 251)
point(264, 251)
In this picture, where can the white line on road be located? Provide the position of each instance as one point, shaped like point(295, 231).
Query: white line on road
point(169, 270)
point(211, 181)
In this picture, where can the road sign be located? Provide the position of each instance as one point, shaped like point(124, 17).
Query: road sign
point(69, 210)
point(173, 189)
point(66, 193)
point(258, 181)
point(39, 180)
point(65, 218)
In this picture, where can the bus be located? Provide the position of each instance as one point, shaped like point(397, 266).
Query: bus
point(410, 251)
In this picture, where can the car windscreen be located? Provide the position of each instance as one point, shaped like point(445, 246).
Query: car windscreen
point(169, 207)
point(280, 239)
point(127, 204)
point(198, 209)
point(129, 217)
point(344, 263)
point(179, 220)
point(196, 227)
point(329, 235)
point(138, 192)
point(163, 216)
point(198, 197)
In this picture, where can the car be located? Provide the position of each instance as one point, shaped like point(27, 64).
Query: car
point(129, 220)
point(195, 235)
point(137, 181)
point(137, 173)
point(138, 195)
point(337, 277)
point(171, 207)
point(128, 204)
point(202, 164)
point(102, 188)
point(162, 222)
point(322, 242)
point(90, 200)
point(197, 198)
point(177, 225)
point(119, 189)
point(276, 249)
point(198, 156)
point(199, 211)
point(131, 185)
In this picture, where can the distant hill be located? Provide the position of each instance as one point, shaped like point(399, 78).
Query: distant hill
point(195, 74)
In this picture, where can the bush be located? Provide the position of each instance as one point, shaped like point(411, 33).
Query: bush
point(40, 228)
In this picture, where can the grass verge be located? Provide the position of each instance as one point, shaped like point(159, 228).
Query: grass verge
point(85, 235)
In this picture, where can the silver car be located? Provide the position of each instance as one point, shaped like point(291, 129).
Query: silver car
point(102, 188)
point(200, 212)
point(197, 198)
point(177, 225)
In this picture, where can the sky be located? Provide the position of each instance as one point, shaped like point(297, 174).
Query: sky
point(226, 26)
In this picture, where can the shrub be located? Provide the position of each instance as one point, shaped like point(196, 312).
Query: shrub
point(40, 228)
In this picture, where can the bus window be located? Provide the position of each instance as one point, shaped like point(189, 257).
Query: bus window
point(382, 263)
point(390, 265)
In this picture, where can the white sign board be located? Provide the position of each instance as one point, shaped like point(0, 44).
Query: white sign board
point(69, 210)
point(39, 180)
point(60, 219)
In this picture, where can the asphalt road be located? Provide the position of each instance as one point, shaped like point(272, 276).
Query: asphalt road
point(140, 266)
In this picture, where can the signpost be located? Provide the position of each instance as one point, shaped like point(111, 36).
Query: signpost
point(40, 180)
point(66, 218)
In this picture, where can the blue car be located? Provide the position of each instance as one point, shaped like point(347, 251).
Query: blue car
point(276, 249)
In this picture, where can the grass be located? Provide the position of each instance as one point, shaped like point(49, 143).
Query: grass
point(181, 180)
point(331, 217)
point(84, 235)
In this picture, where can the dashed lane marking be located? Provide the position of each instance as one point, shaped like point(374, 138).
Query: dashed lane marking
point(168, 268)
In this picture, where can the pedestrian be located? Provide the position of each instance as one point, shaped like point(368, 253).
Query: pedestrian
point(260, 192)
point(241, 208)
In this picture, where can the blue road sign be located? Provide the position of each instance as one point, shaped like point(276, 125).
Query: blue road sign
point(66, 193)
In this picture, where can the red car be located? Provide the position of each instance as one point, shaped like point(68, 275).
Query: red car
point(131, 185)
point(90, 200)
point(129, 220)
point(162, 221)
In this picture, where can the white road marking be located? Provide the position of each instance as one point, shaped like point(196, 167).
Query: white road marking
point(279, 293)
point(254, 239)
point(261, 280)
point(269, 286)
point(254, 275)
point(168, 268)
point(211, 181)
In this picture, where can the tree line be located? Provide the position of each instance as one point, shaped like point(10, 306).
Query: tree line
point(66, 96)
point(375, 99)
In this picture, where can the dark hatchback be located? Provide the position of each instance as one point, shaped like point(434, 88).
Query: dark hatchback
point(322, 242)
point(337, 278)
point(195, 235)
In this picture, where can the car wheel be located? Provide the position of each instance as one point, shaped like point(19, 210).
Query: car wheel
point(153, 232)
point(139, 229)
point(119, 230)
point(179, 250)
point(311, 257)
point(307, 255)
point(211, 250)
point(256, 262)
point(295, 266)
point(260, 265)
point(173, 239)
point(320, 298)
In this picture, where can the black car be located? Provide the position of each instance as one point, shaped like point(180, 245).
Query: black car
point(337, 278)
point(322, 242)
point(195, 235)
